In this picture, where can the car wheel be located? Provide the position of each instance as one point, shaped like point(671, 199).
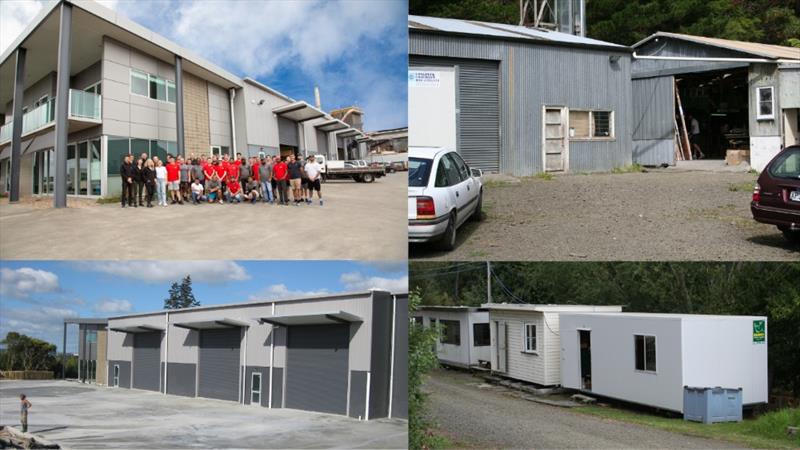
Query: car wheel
point(448, 240)
point(477, 215)
point(792, 236)
point(367, 178)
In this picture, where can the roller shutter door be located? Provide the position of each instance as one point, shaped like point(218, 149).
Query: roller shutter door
point(218, 365)
point(287, 132)
point(322, 143)
point(316, 368)
point(478, 96)
point(147, 360)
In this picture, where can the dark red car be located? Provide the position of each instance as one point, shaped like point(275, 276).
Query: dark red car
point(776, 197)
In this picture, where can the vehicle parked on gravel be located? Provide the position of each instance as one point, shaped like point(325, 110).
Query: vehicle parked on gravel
point(776, 196)
point(443, 193)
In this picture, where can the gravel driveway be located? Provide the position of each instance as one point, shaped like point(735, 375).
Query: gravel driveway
point(662, 214)
point(492, 417)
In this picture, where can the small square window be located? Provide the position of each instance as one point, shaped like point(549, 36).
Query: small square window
point(480, 334)
point(579, 124)
point(451, 332)
point(645, 353)
point(530, 337)
point(766, 103)
point(601, 121)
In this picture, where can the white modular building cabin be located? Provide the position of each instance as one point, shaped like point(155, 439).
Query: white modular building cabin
point(525, 341)
point(649, 358)
point(464, 340)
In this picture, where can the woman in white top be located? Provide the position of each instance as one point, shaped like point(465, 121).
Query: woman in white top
point(161, 183)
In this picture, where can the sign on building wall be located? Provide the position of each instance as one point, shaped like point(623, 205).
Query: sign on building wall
point(759, 331)
point(423, 78)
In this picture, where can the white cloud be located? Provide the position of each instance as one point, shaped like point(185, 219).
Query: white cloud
point(163, 271)
point(113, 306)
point(14, 17)
point(281, 291)
point(23, 282)
point(40, 322)
point(356, 281)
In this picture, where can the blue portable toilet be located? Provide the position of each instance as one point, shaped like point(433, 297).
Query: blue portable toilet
point(711, 405)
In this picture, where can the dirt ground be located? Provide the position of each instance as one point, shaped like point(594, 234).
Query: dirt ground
point(357, 221)
point(661, 214)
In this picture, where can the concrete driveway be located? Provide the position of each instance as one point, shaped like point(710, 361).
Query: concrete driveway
point(83, 416)
point(358, 221)
point(483, 416)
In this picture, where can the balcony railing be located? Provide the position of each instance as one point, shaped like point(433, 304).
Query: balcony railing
point(82, 105)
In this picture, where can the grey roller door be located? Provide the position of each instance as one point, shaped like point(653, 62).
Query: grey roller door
point(147, 360)
point(316, 368)
point(218, 368)
point(287, 132)
point(478, 97)
point(322, 143)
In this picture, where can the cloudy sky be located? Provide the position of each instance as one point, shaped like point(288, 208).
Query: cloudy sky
point(354, 50)
point(35, 297)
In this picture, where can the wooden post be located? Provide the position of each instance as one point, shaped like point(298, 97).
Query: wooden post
point(687, 144)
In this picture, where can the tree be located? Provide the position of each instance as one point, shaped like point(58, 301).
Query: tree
point(421, 359)
point(26, 353)
point(181, 295)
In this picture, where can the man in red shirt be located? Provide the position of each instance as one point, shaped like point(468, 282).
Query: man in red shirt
point(255, 165)
point(208, 168)
point(233, 170)
point(281, 174)
point(234, 192)
point(174, 180)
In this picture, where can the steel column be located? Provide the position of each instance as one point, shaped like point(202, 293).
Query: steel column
point(179, 103)
point(64, 354)
point(16, 132)
point(62, 105)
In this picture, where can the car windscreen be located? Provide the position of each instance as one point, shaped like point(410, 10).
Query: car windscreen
point(419, 170)
point(786, 165)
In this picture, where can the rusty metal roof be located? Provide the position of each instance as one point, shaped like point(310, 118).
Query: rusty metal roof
point(753, 48)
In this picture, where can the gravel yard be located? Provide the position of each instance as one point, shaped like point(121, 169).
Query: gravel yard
point(661, 214)
point(481, 416)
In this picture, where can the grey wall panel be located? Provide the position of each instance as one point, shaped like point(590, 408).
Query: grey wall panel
point(764, 75)
point(218, 366)
point(654, 152)
point(322, 143)
point(316, 368)
point(653, 108)
point(287, 132)
point(86, 77)
point(358, 393)
point(147, 361)
point(381, 352)
point(264, 371)
point(181, 379)
point(277, 387)
point(124, 373)
point(400, 370)
point(673, 47)
point(789, 77)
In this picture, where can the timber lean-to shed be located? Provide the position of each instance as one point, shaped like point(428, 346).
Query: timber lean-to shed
point(525, 343)
point(649, 358)
point(742, 91)
point(464, 339)
point(518, 100)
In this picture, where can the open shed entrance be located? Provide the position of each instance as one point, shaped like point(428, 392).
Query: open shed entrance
point(718, 100)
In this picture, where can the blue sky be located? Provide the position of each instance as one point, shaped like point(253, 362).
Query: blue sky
point(35, 297)
point(356, 51)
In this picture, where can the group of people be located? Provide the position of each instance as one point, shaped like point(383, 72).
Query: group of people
point(270, 179)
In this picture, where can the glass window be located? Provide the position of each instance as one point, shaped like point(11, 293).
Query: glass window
point(417, 320)
point(139, 83)
point(451, 332)
point(786, 165)
point(171, 91)
point(601, 124)
point(117, 149)
point(91, 336)
point(158, 88)
point(160, 149)
point(579, 124)
point(83, 168)
point(765, 103)
point(441, 175)
point(94, 166)
point(72, 166)
point(255, 392)
point(480, 334)
point(139, 146)
point(37, 168)
point(418, 171)
point(530, 337)
point(463, 170)
point(645, 348)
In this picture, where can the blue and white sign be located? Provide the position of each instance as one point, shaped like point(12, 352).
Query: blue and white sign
point(423, 78)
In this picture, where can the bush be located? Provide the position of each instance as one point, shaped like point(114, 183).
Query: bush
point(421, 359)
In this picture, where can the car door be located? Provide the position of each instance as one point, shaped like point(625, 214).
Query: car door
point(458, 186)
point(446, 183)
point(472, 189)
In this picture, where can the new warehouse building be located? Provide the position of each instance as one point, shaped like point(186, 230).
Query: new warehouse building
point(83, 86)
point(341, 354)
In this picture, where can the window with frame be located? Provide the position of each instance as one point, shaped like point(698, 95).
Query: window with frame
point(601, 124)
point(645, 348)
point(463, 169)
point(116, 375)
point(417, 320)
point(450, 332)
point(480, 334)
point(152, 86)
point(591, 124)
point(530, 337)
point(255, 389)
point(139, 83)
point(579, 124)
point(766, 103)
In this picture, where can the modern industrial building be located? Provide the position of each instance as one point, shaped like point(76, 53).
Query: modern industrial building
point(525, 339)
point(464, 334)
point(743, 95)
point(650, 358)
point(83, 86)
point(519, 100)
point(92, 349)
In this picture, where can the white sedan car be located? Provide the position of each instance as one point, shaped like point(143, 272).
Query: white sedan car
point(443, 193)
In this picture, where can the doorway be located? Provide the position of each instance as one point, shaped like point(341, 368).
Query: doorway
point(555, 140)
point(585, 341)
point(501, 346)
point(255, 389)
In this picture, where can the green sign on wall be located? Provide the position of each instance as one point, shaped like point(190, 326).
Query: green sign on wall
point(759, 331)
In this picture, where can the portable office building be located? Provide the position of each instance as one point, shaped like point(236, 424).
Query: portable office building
point(342, 354)
point(650, 358)
point(518, 100)
point(464, 339)
point(525, 342)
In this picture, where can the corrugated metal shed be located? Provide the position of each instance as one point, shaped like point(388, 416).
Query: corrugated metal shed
point(751, 48)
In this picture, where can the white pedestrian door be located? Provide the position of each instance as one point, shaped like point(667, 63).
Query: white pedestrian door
point(555, 140)
point(501, 347)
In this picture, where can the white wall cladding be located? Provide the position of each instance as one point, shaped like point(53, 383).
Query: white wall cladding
point(523, 366)
point(219, 116)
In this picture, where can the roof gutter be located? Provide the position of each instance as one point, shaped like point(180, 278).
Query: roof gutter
point(699, 58)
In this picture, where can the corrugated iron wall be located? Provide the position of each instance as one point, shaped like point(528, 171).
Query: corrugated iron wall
point(532, 76)
point(653, 117)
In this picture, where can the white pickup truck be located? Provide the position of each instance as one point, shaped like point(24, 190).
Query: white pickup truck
point(359, 171)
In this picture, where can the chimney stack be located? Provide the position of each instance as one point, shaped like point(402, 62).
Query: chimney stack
point(316, 97)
